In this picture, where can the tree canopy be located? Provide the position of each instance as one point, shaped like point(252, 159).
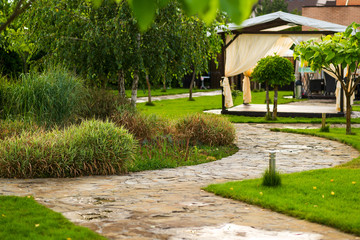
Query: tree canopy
point(338, 54)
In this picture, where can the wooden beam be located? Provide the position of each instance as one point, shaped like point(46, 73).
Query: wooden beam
point(231, 41)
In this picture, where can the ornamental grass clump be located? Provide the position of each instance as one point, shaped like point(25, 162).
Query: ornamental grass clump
point(10, 128)
point(143, 127)
point(271, 179)
point(206, 129)
point(52, 97)
point(92, 148)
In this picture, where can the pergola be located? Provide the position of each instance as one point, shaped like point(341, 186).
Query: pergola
point(259, 37)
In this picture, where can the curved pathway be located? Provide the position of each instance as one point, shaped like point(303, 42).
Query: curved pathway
point(169, 203)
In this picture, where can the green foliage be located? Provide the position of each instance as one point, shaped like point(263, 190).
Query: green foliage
point(10, 128)
point(307, 195)
point(206, 129)
point(270, 6)
point(92, 148)
point(53, 97)
point(274, 70)
point(102, 104)
point(325, 128)
point(271, 179)
point(24, 218)
point(335, 53)
point(143, 127)
point(144, 10)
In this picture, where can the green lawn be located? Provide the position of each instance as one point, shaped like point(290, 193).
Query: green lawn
point(326, 196)
point(160, 92)
point(176, 108)
point(23, 218)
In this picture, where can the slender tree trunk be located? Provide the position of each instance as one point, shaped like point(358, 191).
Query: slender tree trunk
point(274, 116)
point(121, 82)
point(164, 82)
point(136, 77)
point(267, 101)
point(191, 86)
point(149, 88)
point(134, 89)
point(348, 114)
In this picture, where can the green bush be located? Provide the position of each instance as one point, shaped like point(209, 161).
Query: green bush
point(53, 97)
point(92, 148)
point(271, 179)
point(206, 129)
point(9, 128)
point(142, 126)
point(102, 104)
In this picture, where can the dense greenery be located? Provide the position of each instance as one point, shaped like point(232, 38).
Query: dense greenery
point(92, 148)
point(338, 54)
point(270, 6)
point(53, 97)
point(274, 71)
point(24, 218)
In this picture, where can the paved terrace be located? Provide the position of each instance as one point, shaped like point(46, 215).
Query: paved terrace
point(169, 203)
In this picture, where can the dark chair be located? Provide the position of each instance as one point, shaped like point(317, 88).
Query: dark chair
point(316, 85)
point(330, 84)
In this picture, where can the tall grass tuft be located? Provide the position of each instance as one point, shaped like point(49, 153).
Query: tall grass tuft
point(53, 97)
point(92, 148)
point(206, 129)
point(271, 179)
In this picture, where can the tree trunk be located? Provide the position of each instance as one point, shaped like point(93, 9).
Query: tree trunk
point(267, 101)
point(149, 88)
point(121, 82)
point(191, 86)
point(274, 116)
point(134, 89)
point(348, 114)
point(164, 82)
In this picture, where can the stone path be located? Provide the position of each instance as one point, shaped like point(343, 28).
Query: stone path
point(169, 203)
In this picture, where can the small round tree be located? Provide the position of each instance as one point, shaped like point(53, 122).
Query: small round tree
point(274, 71)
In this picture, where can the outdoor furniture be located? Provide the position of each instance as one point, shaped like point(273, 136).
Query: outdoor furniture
point(330, 84)
point(316, 85)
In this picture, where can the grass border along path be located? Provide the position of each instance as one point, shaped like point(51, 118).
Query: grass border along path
point(23, 218)
point(325, 196)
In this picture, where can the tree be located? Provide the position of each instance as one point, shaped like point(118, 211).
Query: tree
point(274, 71)
point(145, 10)
point(338, 54)
point(270, 6)
point(18, 7)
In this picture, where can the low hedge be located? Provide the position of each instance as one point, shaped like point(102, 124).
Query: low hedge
point(92, 148)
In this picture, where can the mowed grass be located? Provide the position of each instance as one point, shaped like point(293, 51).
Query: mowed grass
point(176, 108)
point(327, 196)
point(23, 218)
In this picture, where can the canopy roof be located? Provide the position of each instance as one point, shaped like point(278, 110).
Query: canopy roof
point(280, 21)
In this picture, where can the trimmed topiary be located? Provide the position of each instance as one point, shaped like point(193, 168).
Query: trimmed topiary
point(92, 148)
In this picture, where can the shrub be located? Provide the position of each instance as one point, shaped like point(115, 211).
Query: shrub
point(102, 104)
point(9, 128)
point(53, 97)
point(206, 129)
point(271, 179)
point(142, 126)
point(92, 148)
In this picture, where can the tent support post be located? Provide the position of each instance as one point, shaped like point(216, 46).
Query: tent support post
point(223, 109)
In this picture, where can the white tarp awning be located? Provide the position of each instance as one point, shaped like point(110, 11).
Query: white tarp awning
point(291, 20)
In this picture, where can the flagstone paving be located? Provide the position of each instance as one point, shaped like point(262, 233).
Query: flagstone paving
point(169, 203)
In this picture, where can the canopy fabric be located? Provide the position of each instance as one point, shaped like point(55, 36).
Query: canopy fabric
point(290, 19)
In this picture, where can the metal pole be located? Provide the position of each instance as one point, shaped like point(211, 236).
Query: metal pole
point(272, 156)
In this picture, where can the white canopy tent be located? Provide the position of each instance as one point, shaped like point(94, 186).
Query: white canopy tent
point(259, 37)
